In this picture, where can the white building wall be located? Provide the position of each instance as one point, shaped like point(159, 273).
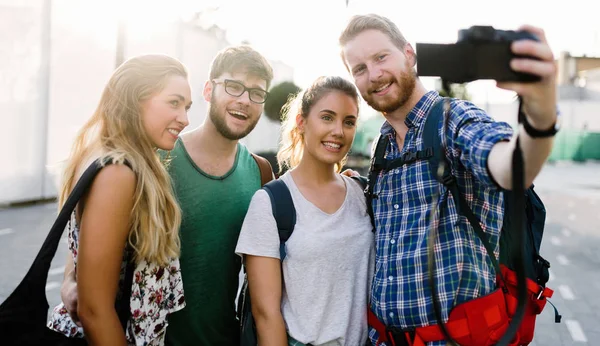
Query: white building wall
point(51, 80)
point(592, 79)
point(82, 60)
point(22, 100)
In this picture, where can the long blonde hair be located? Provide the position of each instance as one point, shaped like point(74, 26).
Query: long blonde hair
point(115, 130)
point(292, 146)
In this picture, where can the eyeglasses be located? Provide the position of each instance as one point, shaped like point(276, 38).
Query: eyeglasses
point(237, 89)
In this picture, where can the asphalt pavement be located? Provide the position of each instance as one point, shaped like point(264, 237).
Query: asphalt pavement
point(570, 191)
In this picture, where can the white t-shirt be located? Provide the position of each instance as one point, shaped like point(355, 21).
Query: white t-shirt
point(328, 266)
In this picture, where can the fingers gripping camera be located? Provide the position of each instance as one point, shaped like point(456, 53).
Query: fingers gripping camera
point(481, 52)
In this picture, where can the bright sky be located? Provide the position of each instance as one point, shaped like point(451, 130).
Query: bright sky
point(304, 33)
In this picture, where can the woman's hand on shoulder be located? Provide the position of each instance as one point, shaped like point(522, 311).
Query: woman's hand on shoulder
point(350, 173)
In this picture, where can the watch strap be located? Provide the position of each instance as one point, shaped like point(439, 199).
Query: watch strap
point(535, 133)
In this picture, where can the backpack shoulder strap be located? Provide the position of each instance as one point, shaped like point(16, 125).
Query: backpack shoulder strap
point(378, 163)
point(431, 139)
point(266, 170)
point(361, 180)
point(50, 245)
point(441, 171)
point(23, 301)
point(283, 211)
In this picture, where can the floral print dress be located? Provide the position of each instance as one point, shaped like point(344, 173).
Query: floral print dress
point(156, 292)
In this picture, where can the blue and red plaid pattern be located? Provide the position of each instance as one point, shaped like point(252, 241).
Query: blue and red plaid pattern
point(400, 295)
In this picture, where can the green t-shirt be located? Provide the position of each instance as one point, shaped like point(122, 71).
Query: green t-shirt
point(213, 212)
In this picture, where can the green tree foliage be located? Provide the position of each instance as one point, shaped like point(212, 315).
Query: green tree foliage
point(458, 91)
point(278, 96)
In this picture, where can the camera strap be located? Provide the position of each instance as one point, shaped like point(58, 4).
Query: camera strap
point(518, 201)
point(518, 210)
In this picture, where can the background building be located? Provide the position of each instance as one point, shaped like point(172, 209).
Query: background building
point(56, 57)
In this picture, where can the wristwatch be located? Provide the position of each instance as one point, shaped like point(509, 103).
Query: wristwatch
point(535, 133)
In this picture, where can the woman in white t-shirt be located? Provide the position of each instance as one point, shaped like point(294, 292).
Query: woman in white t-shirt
point(318, 295)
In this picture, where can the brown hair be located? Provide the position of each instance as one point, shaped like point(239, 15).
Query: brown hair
point(291, 150)
point(360, 23)
point(241, 58)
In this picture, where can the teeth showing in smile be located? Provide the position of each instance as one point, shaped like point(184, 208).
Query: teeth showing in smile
point(381, 88)
point(238, 114)
point(173, 132)
point(332, 145)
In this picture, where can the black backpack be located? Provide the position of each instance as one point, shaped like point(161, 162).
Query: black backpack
point(284, 213)
point(534, 265)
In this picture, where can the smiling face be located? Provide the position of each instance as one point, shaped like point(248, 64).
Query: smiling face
point(329, 128)
point(164, 114)
point(234, 117)
point(382, 72)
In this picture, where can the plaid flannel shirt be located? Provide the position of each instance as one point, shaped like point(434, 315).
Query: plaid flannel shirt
point(400, 294)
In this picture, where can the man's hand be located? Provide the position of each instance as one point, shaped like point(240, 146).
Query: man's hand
point(68, 294)
point(350, 173)
point(539, 99)
point(539, 106)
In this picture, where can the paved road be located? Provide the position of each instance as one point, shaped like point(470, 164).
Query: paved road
point(572, 245)
point(571, 193)
point(22, 232)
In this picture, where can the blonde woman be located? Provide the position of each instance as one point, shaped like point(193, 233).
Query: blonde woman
point(318, 294)
point(129, 212)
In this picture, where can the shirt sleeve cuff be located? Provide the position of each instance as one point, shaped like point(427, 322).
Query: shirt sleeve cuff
point(481, 151)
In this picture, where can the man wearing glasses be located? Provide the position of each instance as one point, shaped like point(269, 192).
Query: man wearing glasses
point(215, 178)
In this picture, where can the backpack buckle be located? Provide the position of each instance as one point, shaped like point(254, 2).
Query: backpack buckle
point(545, 293)
point(540, 295)
point(379, 165)
point(409, 157)
point(400, 336)
point(427, 153)
point(447, 179)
